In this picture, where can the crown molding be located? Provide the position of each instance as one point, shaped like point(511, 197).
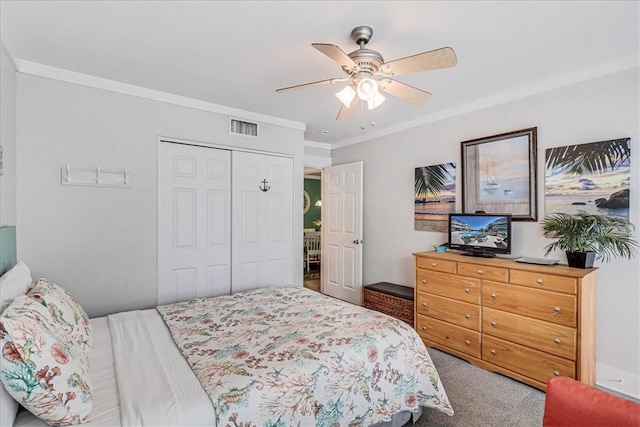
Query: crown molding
point(315, 144)
point(586, 74)
point(47, 71)
point(41, 70)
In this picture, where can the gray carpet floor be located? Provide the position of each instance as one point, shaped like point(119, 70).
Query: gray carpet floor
point(481, 398)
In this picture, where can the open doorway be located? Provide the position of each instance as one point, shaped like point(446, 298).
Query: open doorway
point(312, 248)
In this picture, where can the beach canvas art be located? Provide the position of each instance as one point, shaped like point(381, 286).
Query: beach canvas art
point(593, 177)
point(434, 196)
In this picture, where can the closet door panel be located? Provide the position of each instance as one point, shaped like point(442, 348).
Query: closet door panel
point(184, 205)
point(194, 223)
point(217, 217)
point(262, 249)
point(223, 217)
point(251, 223)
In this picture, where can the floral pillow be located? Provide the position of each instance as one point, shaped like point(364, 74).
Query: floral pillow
point(25, 307)
point(65, 311)
point(41, 370)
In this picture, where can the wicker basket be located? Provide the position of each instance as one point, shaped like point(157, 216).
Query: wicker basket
point(400, 308)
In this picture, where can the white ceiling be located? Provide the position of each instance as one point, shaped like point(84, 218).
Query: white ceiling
point(236, 53)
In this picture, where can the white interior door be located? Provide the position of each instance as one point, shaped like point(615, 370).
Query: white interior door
point(262, 248)
point(194, 225)
point(342, 232)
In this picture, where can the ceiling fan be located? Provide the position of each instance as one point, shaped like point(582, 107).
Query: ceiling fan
point(362, 65)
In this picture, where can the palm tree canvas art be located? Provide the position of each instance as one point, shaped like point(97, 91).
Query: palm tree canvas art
point(591, 177)
point(434, 196)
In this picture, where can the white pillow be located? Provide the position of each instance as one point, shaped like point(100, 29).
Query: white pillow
point(9, 408)
point(14, 282)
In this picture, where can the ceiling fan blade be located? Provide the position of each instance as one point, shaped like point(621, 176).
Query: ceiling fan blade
point(319, 83)
point(403, 91)
point(432, 60)
point(338, 55)
point(347, 113)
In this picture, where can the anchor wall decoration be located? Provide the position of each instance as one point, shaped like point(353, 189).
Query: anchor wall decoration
point(264, 187)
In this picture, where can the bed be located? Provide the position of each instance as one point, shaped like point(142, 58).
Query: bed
point(272, 357)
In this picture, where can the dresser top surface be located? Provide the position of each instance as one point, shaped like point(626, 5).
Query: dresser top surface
point(558, 269)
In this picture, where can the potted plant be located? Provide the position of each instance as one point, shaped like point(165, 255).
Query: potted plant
point(585, 237)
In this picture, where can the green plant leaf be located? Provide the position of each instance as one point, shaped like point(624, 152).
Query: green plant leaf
point(608, 237)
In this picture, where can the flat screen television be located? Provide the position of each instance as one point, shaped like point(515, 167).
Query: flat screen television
point(480, 234)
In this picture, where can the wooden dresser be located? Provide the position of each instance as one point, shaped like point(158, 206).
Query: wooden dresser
point(529, 322)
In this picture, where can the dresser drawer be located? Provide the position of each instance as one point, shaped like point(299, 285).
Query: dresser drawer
point(528, 362)
point(544, 305)
point(497, 274)
point(433, 264)
point(549, 282)
point(447, 285)
point(455, 337)
point(449, 310)
point(548, 337)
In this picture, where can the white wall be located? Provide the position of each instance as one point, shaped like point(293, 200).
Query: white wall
point(101, 243)
point(600, 109)
point(317, 155)
point(7, 139)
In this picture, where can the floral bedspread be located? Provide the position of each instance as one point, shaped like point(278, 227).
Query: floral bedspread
point(294, 357)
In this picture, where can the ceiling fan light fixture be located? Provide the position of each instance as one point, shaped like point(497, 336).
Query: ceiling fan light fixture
point(367, 88)
point(346, 95)
point(368, 73)
point(376, 101)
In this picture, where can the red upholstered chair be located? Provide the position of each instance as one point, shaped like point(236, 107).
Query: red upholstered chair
point(572, 403)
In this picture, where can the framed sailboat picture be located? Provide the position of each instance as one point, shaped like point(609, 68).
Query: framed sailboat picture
point(499, 174)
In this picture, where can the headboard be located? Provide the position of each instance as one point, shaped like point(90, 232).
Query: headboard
point(8, 256)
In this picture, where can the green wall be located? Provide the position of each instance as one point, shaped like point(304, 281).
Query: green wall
point(312, 186)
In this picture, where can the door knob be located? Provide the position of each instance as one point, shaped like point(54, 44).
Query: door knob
point(357, 242)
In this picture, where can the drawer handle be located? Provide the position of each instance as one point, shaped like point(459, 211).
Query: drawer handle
point(424, 280)
point(467, 342)
point(556, 309)
point(557, 341)
point(479, 271)
point(424, 328)
point(493, 352)
point(493, 324)
point(556, 373)
point(424, 304)
point(539, 281)
point(433, 264)
point(492, 295)
point(467, 316)
point(467, 290)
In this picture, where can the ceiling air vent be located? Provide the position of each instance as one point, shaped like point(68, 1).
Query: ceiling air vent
point(242, 127)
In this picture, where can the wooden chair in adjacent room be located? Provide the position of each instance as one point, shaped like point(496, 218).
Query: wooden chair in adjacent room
point(312, 248)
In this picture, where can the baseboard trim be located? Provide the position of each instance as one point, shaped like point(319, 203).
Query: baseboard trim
point(620, 381)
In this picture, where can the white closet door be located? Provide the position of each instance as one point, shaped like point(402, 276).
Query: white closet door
point(262, 249)
point(194, 225)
